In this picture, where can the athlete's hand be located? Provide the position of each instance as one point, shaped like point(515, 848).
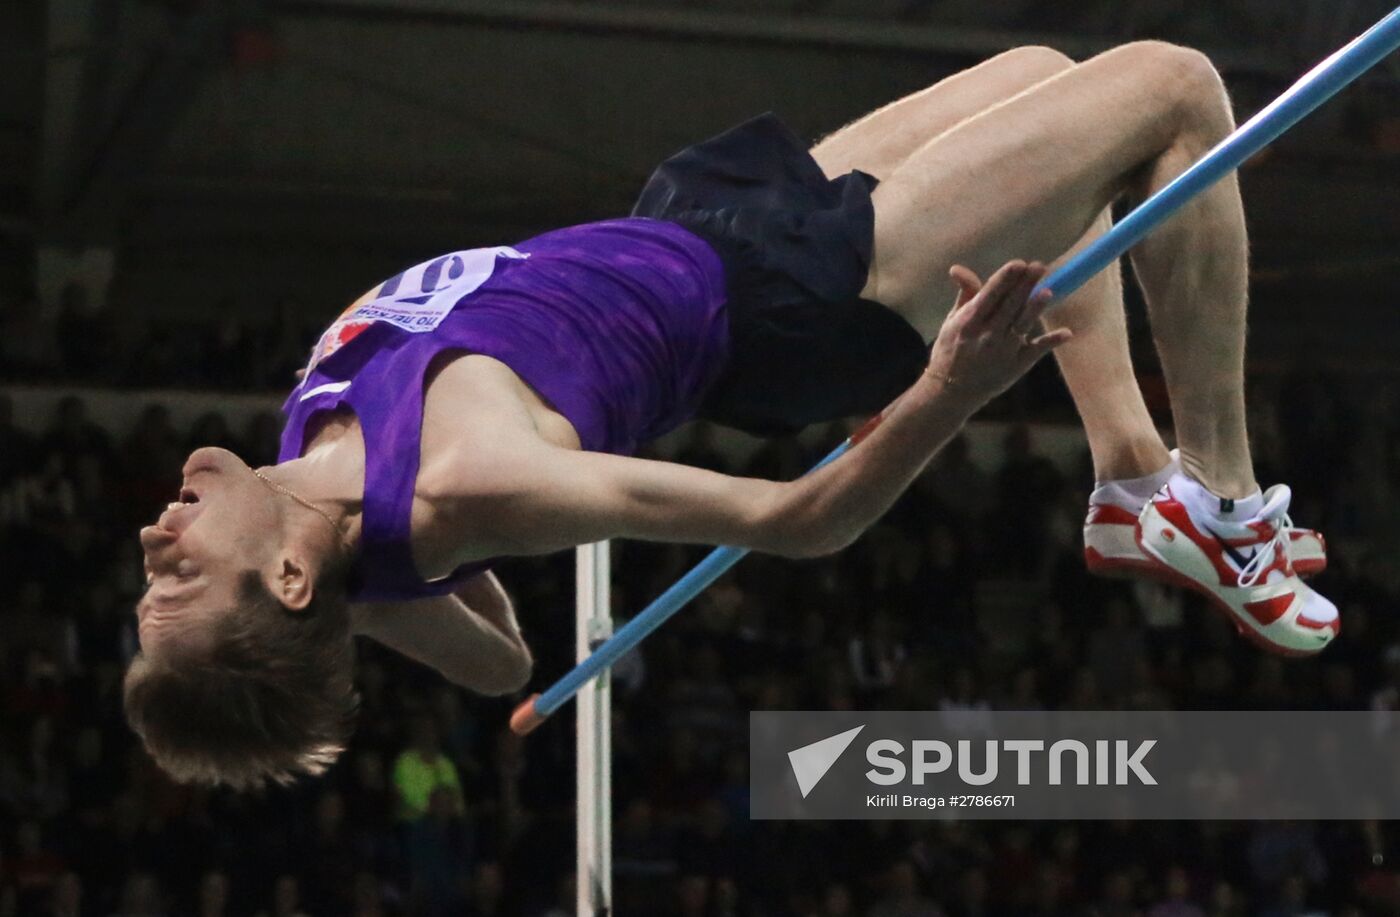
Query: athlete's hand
point(990, 338)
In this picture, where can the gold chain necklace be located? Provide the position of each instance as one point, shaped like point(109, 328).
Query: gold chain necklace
point(287, 492)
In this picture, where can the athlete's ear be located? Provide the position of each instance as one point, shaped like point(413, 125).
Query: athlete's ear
point(969, 284)
point(293, 585)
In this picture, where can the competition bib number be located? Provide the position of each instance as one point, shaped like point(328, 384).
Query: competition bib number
point(416, 300)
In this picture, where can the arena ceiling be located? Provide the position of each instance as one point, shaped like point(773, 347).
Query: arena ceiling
point(323, 141)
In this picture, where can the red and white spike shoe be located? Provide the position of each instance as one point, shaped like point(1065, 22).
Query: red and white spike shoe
point(1110, 537)
point(1110, 543)
point(1244, 568)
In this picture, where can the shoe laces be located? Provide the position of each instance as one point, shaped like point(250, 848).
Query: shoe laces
point(1275, 513)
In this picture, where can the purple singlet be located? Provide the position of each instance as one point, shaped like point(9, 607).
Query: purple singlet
point(619, 325)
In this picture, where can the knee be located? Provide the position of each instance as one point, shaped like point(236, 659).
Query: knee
point(1185, 76)
point(1037, 62)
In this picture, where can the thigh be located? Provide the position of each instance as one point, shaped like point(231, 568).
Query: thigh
point(1027, 178)
point(880, 142)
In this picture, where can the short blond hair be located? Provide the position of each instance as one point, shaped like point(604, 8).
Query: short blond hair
point(270, 700)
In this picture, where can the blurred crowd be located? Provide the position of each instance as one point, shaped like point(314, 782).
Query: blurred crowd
point(969, 596)
point(125, 349)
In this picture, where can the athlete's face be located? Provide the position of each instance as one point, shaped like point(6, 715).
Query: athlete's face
point(224, 524)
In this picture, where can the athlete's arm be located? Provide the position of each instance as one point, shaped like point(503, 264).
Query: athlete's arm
point(559, 497)
point(471, 637)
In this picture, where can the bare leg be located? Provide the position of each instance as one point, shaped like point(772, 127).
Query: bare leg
point(881, 141)
point(1031, 176)
point(1096, 364)
point(1098, 368)
point(1194, 270)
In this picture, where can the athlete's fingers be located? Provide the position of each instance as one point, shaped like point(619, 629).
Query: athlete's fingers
point(1031, 313)
point(991, 299)
point(1015, 306)
point(1006, 304)
point(969, 284)
point(1039, 347)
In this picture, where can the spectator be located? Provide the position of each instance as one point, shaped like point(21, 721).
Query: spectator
point(421, 769)
point(876, 656)
point(964, 710)
point(45, 500)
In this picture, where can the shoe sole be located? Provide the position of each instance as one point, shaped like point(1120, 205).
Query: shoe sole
point(1123, 558)
point(1123, 568)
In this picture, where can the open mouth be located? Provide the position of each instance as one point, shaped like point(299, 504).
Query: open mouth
point(187, 496)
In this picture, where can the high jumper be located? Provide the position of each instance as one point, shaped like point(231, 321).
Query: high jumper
point(486, 403)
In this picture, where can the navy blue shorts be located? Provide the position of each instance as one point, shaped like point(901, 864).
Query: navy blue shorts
point(796, 247)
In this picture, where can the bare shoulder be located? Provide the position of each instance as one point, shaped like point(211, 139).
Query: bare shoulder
point(477, 424)
point(487, 439)
point(466, 388)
